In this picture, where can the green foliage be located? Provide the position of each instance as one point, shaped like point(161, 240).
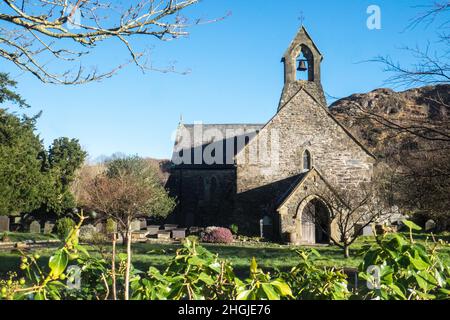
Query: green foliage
point(6, 94)
point(234, 229)
point(194, 274)
point(43, 284)
point(261, 286)
point(309, 282)
point(143, 176)
point(22, 182)
point(407, 270)
point(63, 227)
point(65, 156)
point(31, 177)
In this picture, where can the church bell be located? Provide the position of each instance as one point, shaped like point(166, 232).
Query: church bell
point(302, 65)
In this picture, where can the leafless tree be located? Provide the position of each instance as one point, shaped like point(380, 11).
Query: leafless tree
point(351, 211)
point(43, 37)
point(432, 66)
point(128, 190)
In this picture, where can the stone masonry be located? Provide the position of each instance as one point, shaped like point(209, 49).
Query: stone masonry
point(302, 146)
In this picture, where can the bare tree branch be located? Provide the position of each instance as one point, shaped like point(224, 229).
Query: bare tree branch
point(45, 36)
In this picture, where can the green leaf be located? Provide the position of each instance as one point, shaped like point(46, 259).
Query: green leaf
point(58, 262)
point(412, 225)
point(244, 295)
point(39, 296)
point(270, 292)
point(206, 279)
point(253, 266)
point(397, 291)
point(418, 263)
point(122, 256)
point(283, 287)
point(196, 261)
point(315, 252)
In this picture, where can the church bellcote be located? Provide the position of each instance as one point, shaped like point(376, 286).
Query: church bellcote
point(302, 62)
point(302, 56)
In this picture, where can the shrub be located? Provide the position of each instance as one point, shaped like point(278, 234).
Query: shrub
point(193, 238)
point(399, 269)
point(63, 227)
point(217, 235)
point(310, 282)
point(234, 228)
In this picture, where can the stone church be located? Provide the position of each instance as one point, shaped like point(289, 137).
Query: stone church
point(266, 176)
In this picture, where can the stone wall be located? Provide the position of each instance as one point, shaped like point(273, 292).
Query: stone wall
point(301, 124)
point(205, 196)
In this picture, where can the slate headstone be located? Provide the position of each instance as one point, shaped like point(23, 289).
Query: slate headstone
point(4, 223)
point(87, 232)
point(367, 231)
point(35, 227)
point(48, 227)
point(170, 227)
point(100, 227)
point(143, 224)
point(179, 233)
point(135, 225)
point(152, 230)
point(430, 225)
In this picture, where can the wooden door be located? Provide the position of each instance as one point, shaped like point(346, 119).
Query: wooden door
point(308, 225)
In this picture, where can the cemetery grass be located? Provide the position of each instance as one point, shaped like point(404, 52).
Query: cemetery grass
point(270, 256)
point(24, 236)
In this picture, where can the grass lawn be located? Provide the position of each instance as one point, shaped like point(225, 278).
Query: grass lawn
point(269, 256)
point(23, 236)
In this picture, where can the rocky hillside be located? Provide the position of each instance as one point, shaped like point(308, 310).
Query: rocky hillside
point(365, 114)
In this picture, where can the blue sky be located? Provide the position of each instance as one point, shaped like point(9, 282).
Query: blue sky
point(236, 74)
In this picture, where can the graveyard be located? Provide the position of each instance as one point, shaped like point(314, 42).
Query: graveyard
point(280, 159)
point(153, 245)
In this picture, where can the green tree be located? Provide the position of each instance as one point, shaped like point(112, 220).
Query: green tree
point(6, 93)
point(31, 177)
point(21, 157)
point(65, 156)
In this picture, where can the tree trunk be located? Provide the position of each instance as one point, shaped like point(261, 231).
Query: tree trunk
point(113, 266)
point(128, 266)
point(346, 251)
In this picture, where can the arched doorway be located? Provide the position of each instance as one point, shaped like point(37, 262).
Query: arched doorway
point(315, 222)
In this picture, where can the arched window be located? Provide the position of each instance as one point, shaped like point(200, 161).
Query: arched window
point(307, 161)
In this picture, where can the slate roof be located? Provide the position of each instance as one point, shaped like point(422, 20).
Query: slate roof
point(196, 137)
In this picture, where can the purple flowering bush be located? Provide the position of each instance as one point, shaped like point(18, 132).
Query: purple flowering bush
point(217, 235)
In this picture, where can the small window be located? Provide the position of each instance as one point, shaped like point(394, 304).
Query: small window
point(307, 162)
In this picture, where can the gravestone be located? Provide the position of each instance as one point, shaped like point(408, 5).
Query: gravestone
point(4, 224)
point(179, 233)
point(430, 225)
point(164, 234)
point(170, 227)
point(152, 230)
point(48, 227)
point(143, 224)
point(367, 231)
point(35, 227)
point(135, 225)
point(100, 227)
point(87, 232)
